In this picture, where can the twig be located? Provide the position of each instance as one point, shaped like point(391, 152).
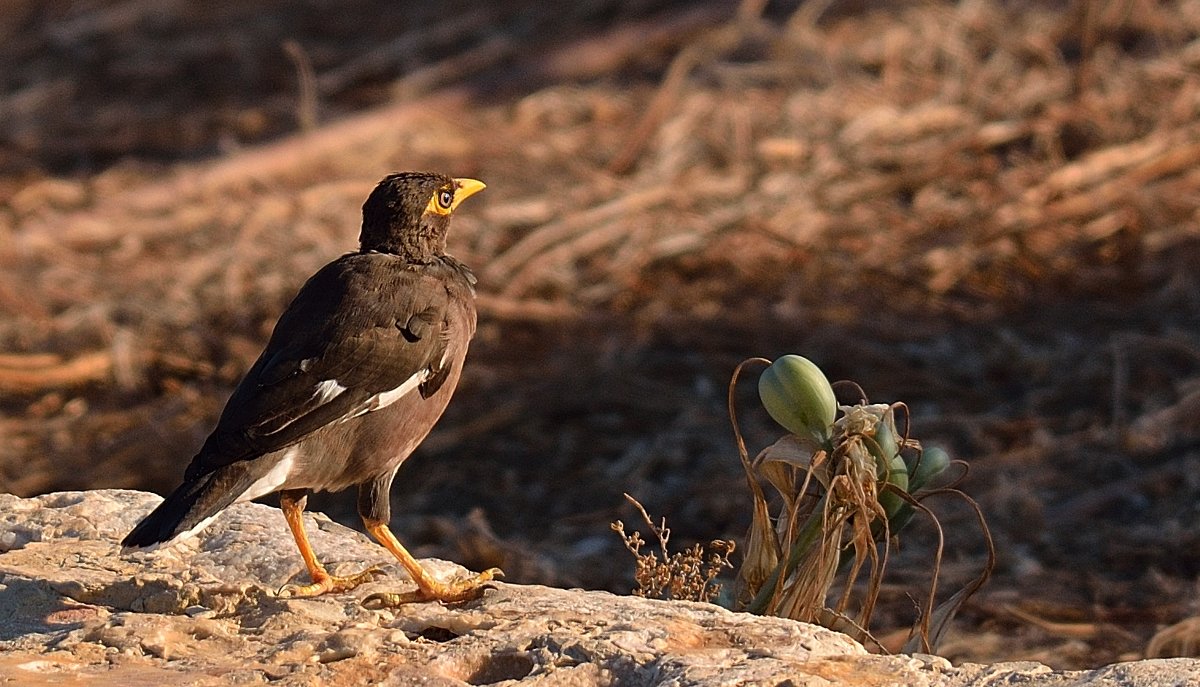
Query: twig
point(89, 367)
point(588, 58)
point(661, 531)
point(501, 267)
point(28, 360)
point(452, 29)
point(1065, 630)
point(492, 51)
point(270, 161)
point(714, 43)
point(524, 309)
point(306, 106)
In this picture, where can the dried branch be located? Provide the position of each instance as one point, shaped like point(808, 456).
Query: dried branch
point(40, 372)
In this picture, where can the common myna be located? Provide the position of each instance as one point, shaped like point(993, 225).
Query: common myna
point(359, 368)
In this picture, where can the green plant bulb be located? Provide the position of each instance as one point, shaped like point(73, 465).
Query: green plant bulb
point(934, 462)
point(892, 469)
point(797, 395)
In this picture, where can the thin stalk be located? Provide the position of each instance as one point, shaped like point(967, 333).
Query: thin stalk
point(804, 541)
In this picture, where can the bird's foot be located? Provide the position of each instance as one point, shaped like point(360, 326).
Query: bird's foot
point(324, 583)
point(453, 592)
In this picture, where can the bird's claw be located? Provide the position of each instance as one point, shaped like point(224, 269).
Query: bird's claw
point(324, 584)
point(454, 592)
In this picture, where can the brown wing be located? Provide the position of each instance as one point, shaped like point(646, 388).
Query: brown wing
point(362, 332)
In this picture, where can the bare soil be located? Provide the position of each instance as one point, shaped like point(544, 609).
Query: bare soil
point(987, 210)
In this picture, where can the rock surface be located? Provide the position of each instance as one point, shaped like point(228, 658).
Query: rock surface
point(74, 611)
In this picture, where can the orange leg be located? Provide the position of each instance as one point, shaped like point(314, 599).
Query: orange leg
point(428, 587)
point(292, 505)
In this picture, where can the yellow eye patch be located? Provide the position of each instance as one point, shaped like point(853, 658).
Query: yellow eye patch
point(446, 198)
point(442, 201)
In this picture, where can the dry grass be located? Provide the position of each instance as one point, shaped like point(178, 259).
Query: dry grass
point(988, 209)
point(688, 575)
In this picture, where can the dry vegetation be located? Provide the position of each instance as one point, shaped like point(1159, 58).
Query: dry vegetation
point(831, 500)
point(687, 575)
point(986, 209)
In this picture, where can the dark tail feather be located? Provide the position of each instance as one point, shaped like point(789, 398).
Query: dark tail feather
point(188, 506)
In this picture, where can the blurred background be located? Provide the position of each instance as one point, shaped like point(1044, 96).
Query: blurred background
point(985, 209)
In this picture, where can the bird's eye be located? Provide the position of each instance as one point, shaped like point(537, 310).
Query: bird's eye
point(446, 198)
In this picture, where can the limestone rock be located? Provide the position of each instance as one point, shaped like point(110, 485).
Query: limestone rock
point(75, 610)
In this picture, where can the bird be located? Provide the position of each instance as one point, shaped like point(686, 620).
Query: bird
point(359, 368)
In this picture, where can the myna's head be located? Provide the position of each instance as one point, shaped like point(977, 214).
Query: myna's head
point(408, 213)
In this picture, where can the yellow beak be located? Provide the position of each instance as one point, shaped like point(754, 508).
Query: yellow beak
point(465, 188)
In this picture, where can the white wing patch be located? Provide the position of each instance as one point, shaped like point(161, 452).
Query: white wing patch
point(323, 393)
point(387, 398)
point(170, 542)
point(186, 534)
point(266, 484)
point(384, 399)
point(327, 391)
point(274, 479)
